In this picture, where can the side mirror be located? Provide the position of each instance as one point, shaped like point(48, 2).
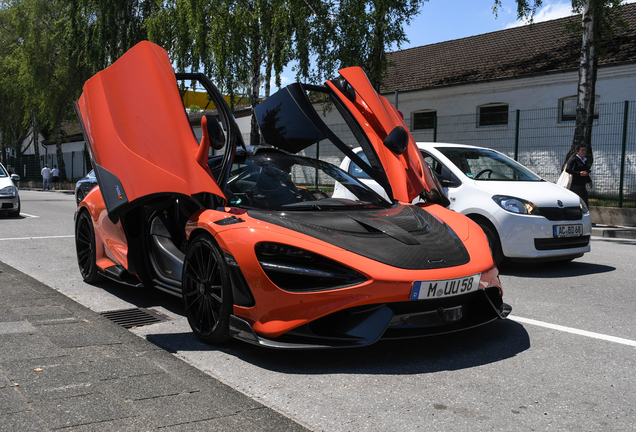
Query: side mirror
point(211, 136)
point(397, 140)
point(212, 130)
point(15, 177)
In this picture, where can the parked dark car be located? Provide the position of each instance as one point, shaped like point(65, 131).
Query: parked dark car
point(84, 186)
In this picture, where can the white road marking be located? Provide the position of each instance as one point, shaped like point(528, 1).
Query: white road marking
point(37, 238)
point(574, 331)
point(28, 215)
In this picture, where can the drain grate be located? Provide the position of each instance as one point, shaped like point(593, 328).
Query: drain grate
point(137, 317)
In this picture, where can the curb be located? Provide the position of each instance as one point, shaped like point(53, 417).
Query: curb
point(614, 232)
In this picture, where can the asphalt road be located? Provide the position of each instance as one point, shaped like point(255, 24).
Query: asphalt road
point(564, 361)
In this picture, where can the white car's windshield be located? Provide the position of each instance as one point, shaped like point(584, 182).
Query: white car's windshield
point(485, 164)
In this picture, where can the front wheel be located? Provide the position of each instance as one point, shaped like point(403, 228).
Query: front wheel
point(85, 248)
point(493, 240)
point(207, 291)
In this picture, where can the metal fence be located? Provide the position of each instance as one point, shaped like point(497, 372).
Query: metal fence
point(537, 138)
point(29, 167)
point(540, 140)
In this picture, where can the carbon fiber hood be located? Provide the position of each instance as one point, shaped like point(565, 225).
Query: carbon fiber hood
point(403, 236)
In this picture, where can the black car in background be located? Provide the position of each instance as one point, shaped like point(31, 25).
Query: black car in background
point(84, 186)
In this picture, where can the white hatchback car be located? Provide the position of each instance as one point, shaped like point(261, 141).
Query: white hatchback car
point(9, 197)
point(524, 216)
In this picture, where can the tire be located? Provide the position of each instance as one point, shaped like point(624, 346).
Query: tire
point(207, 291)
point(79, 197)
point(85, 248)
point(16, 213)
point(493, 240)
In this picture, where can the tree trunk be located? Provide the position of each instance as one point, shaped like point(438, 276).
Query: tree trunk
point(587, 83)
point(256, 80)
point(36, 141)
point(58, 151)
point(268, 73)
point(376, 71)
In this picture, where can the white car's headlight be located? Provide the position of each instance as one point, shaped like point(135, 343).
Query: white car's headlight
point(584, 208)
point(9, 191)
point(516, 205)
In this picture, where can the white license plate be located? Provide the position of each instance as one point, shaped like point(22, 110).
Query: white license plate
point(568, 230)
point(444, 288)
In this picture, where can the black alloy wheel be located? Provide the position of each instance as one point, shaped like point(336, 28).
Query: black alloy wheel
point(85, 248)
point(207, 291)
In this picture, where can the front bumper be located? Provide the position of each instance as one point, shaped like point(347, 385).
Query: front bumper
point(531, 237)
point(365, 325)
point(10, 203)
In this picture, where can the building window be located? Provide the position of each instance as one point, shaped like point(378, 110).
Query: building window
point(493, 115)
point(424, 119)
point(567, 109)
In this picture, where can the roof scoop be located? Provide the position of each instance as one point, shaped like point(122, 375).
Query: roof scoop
point(387, 228)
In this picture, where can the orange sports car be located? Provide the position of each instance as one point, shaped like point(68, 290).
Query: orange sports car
point(251, 238)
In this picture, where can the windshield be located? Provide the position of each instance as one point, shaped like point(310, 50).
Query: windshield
point(485, 164)
point(3, 173)
point(277, 181)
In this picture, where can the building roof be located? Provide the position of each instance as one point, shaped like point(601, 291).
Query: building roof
point(543, 47)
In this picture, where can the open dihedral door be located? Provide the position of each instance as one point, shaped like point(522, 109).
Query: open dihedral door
point(138, 131)
point(289, 121)
point(406, 171)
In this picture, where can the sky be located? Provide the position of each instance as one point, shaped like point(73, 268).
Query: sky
point(444, 20)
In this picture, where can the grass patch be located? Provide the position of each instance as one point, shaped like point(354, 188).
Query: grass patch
point(604, 202)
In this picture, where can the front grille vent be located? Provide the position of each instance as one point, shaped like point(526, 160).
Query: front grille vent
point(561, 243)
point(137, 317)
point(561, 214)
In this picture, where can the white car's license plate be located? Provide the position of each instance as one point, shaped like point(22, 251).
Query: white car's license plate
point(444, 288)
point(568, 230)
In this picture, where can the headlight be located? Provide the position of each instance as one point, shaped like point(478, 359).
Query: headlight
point(584, 208)
point(298, 270)
point(516, 205)
point(10, 191)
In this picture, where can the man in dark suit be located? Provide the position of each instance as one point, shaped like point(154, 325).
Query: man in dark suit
point(580, 173)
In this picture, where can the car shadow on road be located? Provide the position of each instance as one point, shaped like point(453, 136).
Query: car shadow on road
point(482, 345)
point(140, 296)
point(475, 347)
point(554, 269)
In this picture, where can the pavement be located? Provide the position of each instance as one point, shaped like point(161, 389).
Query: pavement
point(64, 367)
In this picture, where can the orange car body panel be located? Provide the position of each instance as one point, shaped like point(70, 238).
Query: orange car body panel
point(111, 247)
point(135, 107)
point(407, 173)
point(277, 311)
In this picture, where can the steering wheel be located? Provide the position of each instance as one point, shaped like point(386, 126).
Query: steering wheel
point(484, 171)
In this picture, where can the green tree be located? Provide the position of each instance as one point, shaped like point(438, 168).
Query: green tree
point(599, 21)
point(367, 28)
point(98, 32)
point(13, 104)
point(240, 43)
